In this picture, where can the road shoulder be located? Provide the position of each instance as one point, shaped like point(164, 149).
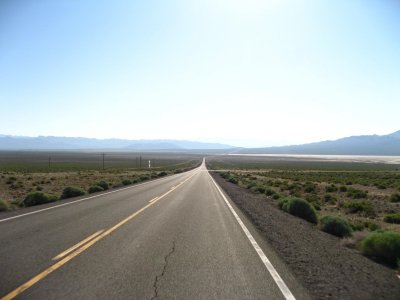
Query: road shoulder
point(326, 269)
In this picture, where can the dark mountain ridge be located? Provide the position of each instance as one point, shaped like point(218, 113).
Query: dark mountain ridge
point(79, 143)
point(355, 145)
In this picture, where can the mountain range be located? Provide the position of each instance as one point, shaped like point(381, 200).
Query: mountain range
point(79, 143)
point(355, 145)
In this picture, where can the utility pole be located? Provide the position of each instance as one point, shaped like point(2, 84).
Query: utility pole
point(103, 160)
point(136, 165)
point(140, 162)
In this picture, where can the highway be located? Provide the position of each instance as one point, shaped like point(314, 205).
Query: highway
point(177, 237)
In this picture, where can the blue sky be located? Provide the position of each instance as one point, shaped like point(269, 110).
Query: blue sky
point(245, 72)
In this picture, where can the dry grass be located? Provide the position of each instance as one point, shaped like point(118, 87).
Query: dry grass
point(353, 241)
point(14, 186)
point(19, 177)
point(333, 188)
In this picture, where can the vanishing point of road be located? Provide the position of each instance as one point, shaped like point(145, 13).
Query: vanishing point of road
point(178, 237)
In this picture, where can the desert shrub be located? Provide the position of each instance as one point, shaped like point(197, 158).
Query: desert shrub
point(126, 182)
point(3, 205)
point(359, 226)
point(162, 174)
point(329, 198)
point(395, 197)
point(392, 218)
point(356, 194)
point(371, 225)
point(283, 203)
point(293, 187)
point(358, 206)
point(309, 187)
point(260, 189)
point(11, 179)
point(331, 188)
point(316, 205)
point(144, 177)
point(37, 198)
point(94, 189)
point(16, 185)
point(300, 208)
point(335, 225)
point(275, 196)
point(231, 178)
point(72, 191)
point(250, 185)
point(381, 186)
point(17, 203)
point(277, 183)
point(383, 246)
point(103, 184)
point(269, 192)
point(314, 200)
point(343, 189)
point(225, 175)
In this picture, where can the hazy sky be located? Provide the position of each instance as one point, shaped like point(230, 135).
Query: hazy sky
point(245, 72)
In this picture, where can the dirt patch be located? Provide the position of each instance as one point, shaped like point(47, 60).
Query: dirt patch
point(320, 261)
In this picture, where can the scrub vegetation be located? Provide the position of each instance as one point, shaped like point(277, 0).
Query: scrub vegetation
point(342, 198)
point(31, 178)
point(300, 208)
point(36, 198)
point(335, 225)
point(72, 191)
point(383, 246)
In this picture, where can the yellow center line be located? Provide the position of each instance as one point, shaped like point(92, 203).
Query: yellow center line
point(69, 250)
point(66, 259)
point(154, 199)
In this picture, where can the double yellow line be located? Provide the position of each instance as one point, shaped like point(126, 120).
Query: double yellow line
point(84, 245)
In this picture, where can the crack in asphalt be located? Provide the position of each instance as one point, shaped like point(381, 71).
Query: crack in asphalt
point(158, 277)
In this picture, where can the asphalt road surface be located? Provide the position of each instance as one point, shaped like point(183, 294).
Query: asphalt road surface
point(173, 238)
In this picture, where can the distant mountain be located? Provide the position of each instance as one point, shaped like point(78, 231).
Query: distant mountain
point(354, 145)
point(395, 134)
point(79, 143)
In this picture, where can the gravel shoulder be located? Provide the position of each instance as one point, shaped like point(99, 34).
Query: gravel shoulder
point(326, 268)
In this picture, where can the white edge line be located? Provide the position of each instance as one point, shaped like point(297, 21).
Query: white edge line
point(84, 199)
point(271, 269)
